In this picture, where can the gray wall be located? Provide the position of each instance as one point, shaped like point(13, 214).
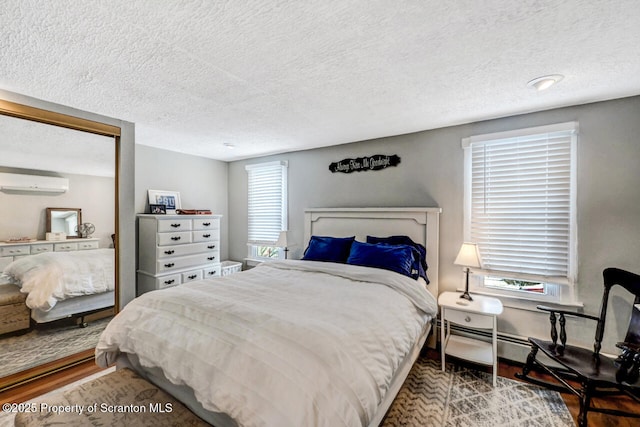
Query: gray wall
point(431, 174)
point(201, 182)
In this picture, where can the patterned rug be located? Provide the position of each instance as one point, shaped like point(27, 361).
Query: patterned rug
point(47, 343)
point(464, 397)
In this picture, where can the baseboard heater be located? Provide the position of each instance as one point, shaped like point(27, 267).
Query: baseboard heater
point(511, 347)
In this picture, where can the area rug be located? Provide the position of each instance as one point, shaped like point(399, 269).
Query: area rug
point(465, 397)
point(46, 344)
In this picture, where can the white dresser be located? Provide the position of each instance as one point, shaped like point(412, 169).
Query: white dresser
point(175, 249)
point(11, 251)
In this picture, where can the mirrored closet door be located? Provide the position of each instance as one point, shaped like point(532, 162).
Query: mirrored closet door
point(58, 222)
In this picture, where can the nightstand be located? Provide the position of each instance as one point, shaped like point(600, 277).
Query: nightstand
point(481, 313)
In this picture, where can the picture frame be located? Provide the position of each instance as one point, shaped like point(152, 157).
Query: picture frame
point(170, 199)
point(157, 209)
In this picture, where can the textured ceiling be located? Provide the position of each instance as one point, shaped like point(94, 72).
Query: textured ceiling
point(276, 76)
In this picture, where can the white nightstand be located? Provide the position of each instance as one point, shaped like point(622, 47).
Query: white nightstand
point(481, 313)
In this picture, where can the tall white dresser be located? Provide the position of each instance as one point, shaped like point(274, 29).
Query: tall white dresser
point(176, 249)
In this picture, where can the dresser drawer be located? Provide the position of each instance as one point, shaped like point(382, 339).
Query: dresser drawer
point(38, 249)
point(165, 225)
point(206, 224)
point(213, 271)
point(83, 246)
point(5, 261)
point(190, 276)
point(205, 236)
point(65, 247)
point(168, 264)
point(15, 250)
point(167, 281)
point(188, 249)
point(472, 320)
point(177, 238)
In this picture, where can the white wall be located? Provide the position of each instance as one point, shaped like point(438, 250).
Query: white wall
point(431, 174)
point(202, 183)
point(24, 214)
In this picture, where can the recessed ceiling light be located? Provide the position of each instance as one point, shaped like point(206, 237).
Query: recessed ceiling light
point(545, 82)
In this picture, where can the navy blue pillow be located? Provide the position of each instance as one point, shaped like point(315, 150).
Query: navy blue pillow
point(421, 261)
point(398, 258)
point(329, 249)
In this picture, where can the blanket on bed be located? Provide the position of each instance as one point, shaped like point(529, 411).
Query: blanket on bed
point(294, 343)
point(55, 276)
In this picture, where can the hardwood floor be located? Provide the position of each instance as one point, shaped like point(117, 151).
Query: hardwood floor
point(505, 369)
point(45, 384)
point(508, 370)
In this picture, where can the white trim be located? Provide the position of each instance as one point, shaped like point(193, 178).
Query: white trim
point(563, 290)
point(516, 133)
point(267, 164)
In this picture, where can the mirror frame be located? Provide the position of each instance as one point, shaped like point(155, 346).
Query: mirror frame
point(78, 212)
point(26, 112)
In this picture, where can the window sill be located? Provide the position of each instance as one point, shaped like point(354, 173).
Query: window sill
point(524, 303)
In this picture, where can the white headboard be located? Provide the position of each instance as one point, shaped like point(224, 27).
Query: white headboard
point(421, 224)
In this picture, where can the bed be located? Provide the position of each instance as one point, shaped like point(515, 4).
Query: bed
point(64, 284)
point(296, 342)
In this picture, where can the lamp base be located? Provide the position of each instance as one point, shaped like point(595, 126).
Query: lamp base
point(466, 296)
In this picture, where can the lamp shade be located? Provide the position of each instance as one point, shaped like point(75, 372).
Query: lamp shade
point(469, 256)
point(282, 240)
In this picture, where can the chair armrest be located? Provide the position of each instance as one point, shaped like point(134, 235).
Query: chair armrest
point(567, 312)
point(558, 314)
point(628, 363)
point(629, 346)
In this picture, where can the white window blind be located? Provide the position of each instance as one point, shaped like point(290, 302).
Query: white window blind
point(267, 202)
point(520, 201)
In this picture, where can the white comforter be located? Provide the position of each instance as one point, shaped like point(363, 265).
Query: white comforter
point(55, 276)
point(295, 343)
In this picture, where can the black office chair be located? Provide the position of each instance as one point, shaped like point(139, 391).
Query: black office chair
point(585, 372)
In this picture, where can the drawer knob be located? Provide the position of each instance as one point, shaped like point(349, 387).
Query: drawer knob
point(206, 236)
point(169, 265)
point(168, 282)
point(211, 258)
point(211, 273)
point(193, 276)
point(169, 252)
point(175, 238)
point(467, 319)
point(176, 225)
point(206, 224)
point(211, 247)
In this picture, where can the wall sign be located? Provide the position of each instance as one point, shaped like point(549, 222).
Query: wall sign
point(370, 163)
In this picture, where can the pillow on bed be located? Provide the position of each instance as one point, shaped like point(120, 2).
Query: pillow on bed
point(421, 260)
point(398, 258)
point(329, 249)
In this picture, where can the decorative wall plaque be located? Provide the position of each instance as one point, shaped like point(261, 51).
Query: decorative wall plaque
point(369, 163)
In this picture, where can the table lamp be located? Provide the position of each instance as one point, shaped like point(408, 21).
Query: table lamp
point(468, 257)
point(282, 242)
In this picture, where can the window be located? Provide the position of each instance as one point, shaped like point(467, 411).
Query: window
point(520, 210)
point(267, 208)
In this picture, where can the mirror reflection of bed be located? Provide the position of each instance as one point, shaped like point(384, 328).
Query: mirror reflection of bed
point(56, 295)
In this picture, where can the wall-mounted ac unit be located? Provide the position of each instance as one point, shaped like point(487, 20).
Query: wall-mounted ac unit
point(13, 182)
